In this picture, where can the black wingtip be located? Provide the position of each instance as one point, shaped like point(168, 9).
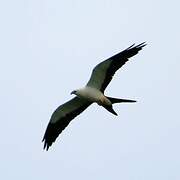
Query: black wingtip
point(133, 50)
point(50, 135)
point(141, 45)
point(130, 46)
point(46, 146)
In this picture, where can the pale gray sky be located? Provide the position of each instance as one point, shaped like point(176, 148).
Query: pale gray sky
point(48, 48)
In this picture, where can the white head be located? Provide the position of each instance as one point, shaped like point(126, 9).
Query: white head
point(78, 92)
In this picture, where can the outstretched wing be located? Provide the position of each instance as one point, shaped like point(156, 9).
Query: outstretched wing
point(61, 117)
point(103, 73)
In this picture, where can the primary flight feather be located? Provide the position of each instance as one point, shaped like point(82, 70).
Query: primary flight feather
point(101, 76)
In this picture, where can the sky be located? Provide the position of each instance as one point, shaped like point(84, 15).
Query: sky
point(49, 48)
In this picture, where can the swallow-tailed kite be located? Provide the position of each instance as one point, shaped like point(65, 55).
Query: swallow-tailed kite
point(101, 76)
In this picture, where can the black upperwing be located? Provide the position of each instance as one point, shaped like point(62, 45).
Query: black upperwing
point(61, 117)
point(103, 73)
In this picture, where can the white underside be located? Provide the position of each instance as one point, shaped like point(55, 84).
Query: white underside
point(93, 95)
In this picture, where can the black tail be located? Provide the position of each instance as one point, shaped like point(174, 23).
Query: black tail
point(110, 109)
point(115, 100)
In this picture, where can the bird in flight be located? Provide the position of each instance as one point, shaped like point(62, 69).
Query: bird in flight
point(93, 92)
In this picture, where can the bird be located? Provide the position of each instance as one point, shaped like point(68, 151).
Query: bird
point(93, 92)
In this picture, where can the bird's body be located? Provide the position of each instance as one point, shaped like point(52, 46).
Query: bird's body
point(93, 92)
point(93, 95)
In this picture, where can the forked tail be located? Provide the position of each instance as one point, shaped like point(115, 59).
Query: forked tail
point(116, 100)
point(110, 109)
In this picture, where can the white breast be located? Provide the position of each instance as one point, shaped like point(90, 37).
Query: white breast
point(93, 95)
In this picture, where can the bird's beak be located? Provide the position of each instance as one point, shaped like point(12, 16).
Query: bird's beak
point(73, 92)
